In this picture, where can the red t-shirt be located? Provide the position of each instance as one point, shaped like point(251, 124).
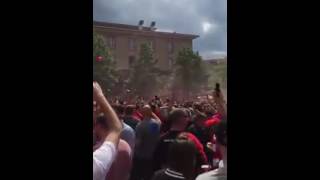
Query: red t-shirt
point(198, 145)
point(213, 120)
point(159, 116)
point(137, 115)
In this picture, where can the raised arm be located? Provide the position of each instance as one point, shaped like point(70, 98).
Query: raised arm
point(104, 156)
point(113, 122)
point(156, 118)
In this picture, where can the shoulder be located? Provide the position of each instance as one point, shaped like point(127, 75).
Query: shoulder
point(152, 120)
point(155, 122)
point(127, 127)
point(140, 125)
point(105, 146)
point(124, 149)
point(123, 146)
point(158, 175)
point(212, 175)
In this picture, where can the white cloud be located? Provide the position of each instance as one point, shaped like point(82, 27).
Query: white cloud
point(206, 26)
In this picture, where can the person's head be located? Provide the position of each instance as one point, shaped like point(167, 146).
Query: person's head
point(129, 110)
point(198, 107)
point(146, 111)
point(139, 105)
point(178, 119)
point(208, 109)
point(153, 106)
point(200, 119)
point(119, 109)
point(182, 157)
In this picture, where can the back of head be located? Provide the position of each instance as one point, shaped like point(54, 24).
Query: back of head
point(198, 107)
point(182, 157)
point(153, 107)
point(146, 111)
point(200, 116)
point(119, 109)
point(199, 119)
point(178, 117)
point(129, 110)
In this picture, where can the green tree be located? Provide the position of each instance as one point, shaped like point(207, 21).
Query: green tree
point(218, 74)
point(103, 70)
point(190, 73)
point(143, 79)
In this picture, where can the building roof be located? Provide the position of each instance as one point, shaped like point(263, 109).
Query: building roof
point(144, 30)
point(116, 25)
point(216, 61)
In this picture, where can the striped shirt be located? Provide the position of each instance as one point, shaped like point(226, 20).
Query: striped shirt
point(168, 174)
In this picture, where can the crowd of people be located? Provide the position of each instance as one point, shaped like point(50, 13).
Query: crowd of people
point(159, 140)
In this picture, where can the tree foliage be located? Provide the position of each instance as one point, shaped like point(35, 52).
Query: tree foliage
point(190, 73)
point(104, 70)
point(218, 74)
point(143, 79)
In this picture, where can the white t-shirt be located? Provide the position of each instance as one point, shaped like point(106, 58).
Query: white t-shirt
point(217, 174)
point(103, 158)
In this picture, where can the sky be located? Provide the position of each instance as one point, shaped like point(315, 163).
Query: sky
point(206, 18)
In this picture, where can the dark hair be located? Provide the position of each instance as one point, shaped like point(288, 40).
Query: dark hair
point(175, 115)
point(101, 120)
point(182, 157)
point(198, 107)
point(152, 104)
point(221, 133)
point(119, 109)
point(129, 110)
point(200, 116)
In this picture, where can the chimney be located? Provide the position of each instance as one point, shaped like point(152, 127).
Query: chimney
point(152, 26)
point(140, 24)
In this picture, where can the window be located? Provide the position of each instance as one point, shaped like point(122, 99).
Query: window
point(170, 62)
point(170, 47)
point(152, 44)
point(131, 61)
point(111, 42)
point(132, 44)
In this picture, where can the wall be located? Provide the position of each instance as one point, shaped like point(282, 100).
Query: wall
point(121, 53)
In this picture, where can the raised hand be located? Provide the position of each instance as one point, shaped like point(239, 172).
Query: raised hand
point(97, 91)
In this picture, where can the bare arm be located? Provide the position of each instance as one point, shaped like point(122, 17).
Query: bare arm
point(156, 118)
point(113, 122)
